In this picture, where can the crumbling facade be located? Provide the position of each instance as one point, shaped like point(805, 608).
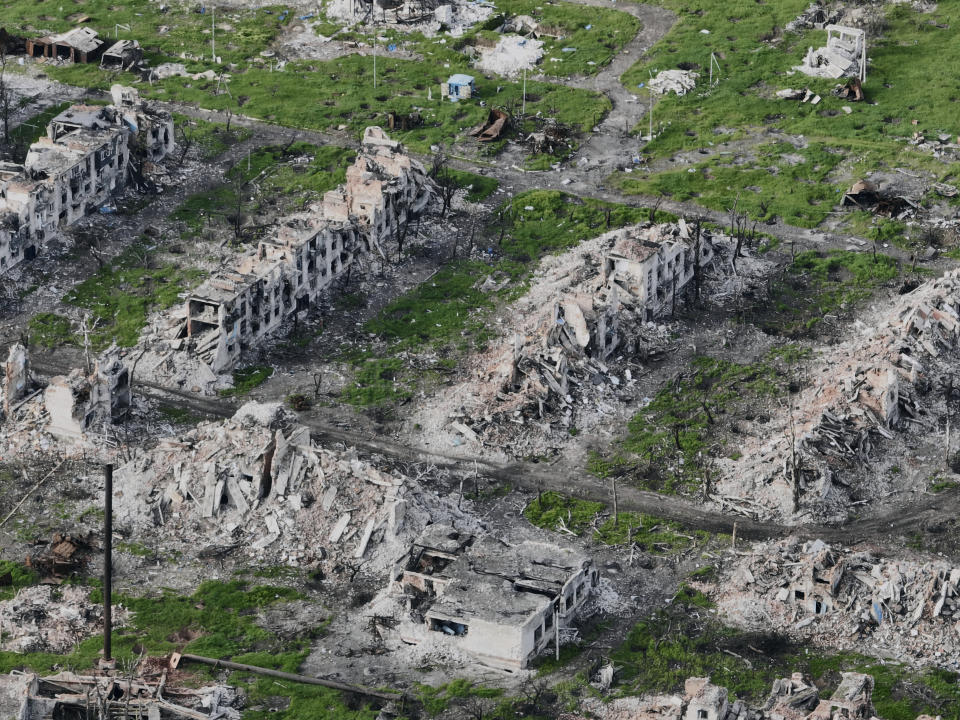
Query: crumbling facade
point(502, 604)
point(844, 55)
point(81, 162)
point(78, 404)
point(288, 273)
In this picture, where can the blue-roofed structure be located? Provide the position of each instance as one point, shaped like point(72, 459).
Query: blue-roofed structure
point(458, 87)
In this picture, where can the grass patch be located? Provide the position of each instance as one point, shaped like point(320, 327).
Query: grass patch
point(817, 285)
point(668, 443)
point(377, 382)
point(783, 181)
point(341, 94)
point(50, 330)
point(31, 129)
point(553, 511)
point(246, 379)
point(211, 139)
point(285, 178)
point(121, 294)
point(435, 700)
point(14, 577)
point(179, 415)
point(185, 31)
point(479, 187)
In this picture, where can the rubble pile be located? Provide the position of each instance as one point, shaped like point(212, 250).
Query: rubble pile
point(844, 55)
point(430, 18)
point(49, 618)
point(792, 698)
point(847, 599)
point(588, 316)
point(679, 81)
point(859, 394)
point(150, 694)
point(511, 55)
point(259, 483)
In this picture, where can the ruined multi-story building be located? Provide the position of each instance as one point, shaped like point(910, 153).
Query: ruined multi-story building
point(652, 264)
point(503, 604)
point(289, 272)
point(82, 161)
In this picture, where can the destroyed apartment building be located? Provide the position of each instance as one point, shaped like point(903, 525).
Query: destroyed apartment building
point(75, 407)
point(862, 396)
point(584, 309)
point(500, 603)
point(287, 274)
point(258, 484)
point(80, 164)
point(847, 599)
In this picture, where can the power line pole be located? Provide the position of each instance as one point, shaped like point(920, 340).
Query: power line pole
point(107, 562)
point(523, 111)
point(213, 32)
point(374, 54)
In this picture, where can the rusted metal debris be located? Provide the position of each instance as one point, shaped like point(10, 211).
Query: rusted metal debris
point(65, 556)
point(853, 90)
point(492, 127)
point(866, 195)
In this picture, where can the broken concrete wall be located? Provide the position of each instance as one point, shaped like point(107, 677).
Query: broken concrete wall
point(77, 167)
point(844, 55)
point(79, 404)
point(16, 378)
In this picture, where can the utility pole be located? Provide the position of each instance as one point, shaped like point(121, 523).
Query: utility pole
point(523, 111)
point(213, 31)
point(107, 563)
point(374, 55)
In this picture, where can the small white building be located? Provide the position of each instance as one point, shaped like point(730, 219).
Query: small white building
point(501, 603)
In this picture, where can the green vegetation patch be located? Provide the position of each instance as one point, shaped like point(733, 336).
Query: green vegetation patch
point(683, 641)
point(318, 95)
point(553, 511)
point(50, 330)
point(164, 34)
point(480, 187)
point(669, 442)
point(13, 577)
point(780, 181)
point(437, 699)
point(246, 379)
point(211, 139)
point(120, 295)
point(286, 178)
point(818, 285)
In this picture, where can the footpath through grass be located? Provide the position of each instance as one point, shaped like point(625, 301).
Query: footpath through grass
point(448, 314)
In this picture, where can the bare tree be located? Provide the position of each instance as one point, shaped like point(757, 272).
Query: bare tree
point(6, 93)
point(503, 221)
point(441, 174)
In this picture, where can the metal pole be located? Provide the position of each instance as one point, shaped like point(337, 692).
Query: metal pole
point(523, 112)
point(374, 55)
point(213, 32)
point(107, 560)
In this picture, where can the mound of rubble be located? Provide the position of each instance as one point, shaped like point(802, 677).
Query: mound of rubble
point(790, 698)
point(589, 315)
point(258, 483)
point(52, 619)
point(679, 81)
point(848, 599)
point(511, 55)
point(860, 400)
